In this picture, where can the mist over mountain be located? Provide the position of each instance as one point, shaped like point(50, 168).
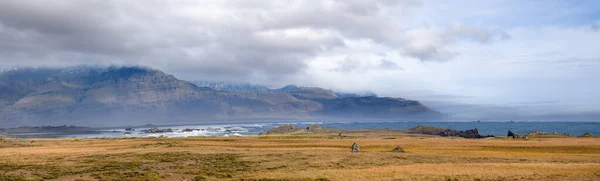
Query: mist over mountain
point(229, 86)
point(97, 96)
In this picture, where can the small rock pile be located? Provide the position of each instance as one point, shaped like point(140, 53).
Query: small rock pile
point(398, 149)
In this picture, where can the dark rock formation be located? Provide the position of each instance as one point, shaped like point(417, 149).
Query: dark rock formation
point(288, 128)
point(515, 135)
point(398, 149)
point(430, 130)
point(156, 130)
point(355, 147)
point(129, 129)
point(510, 134)
point(189, 130)
point(587, 134)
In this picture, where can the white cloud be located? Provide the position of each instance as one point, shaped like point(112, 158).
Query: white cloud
point(488, 51)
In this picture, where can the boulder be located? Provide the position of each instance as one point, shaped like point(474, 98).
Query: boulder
point(398, 149)
point(510, 134)
point(355, 147)
point(471, 133)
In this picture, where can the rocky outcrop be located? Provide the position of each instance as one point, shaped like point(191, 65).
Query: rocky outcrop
point(189, 130)
point(288, 128)
point(156, 130)
point(510, 134)
point(430, 130)
point(515, 135)
point(315, 127)
point(587, 134)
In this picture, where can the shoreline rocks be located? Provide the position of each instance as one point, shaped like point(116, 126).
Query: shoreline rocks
point(587, 134)
point(430, 130)
point(156, 130)
point(288, 128)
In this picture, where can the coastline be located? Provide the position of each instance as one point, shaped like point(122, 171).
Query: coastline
point(301, 157)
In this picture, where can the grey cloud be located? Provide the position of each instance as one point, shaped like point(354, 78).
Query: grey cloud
point(429, 43)
point(230, 40)
point(429, 52)
point(387, 64)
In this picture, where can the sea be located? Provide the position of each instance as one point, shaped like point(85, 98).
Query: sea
point(497, 128)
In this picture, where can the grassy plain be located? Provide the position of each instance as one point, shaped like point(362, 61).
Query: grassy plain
point(301, 157)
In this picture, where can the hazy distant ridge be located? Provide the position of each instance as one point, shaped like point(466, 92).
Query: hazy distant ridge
point(129, 95)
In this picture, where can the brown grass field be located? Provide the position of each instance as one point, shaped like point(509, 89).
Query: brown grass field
point(301, 157)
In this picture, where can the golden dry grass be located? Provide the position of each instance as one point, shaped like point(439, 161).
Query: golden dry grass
point(302, 158)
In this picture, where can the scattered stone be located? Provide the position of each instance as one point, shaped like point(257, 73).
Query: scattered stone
point(127, 133)
point(288, 128)
point(398, 149)
point(355, 147)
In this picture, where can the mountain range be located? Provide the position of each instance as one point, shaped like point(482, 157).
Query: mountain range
point(104, 96)
point(229, 86)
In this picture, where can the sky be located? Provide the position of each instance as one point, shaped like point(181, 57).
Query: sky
point(511, 56)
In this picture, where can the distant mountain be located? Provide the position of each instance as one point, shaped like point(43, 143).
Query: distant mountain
point(225, 86)
point(93, 96)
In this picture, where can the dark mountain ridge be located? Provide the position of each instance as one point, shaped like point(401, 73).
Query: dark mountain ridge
point(93, 96)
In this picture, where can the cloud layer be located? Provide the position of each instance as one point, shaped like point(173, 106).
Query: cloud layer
point(225, 39)
point(480, 52)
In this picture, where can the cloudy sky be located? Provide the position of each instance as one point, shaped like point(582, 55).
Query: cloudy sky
point(538, 55)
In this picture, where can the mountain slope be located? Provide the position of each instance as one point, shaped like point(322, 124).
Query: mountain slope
point(133, 95)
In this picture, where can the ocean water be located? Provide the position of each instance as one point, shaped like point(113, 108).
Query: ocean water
point(485, 128)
